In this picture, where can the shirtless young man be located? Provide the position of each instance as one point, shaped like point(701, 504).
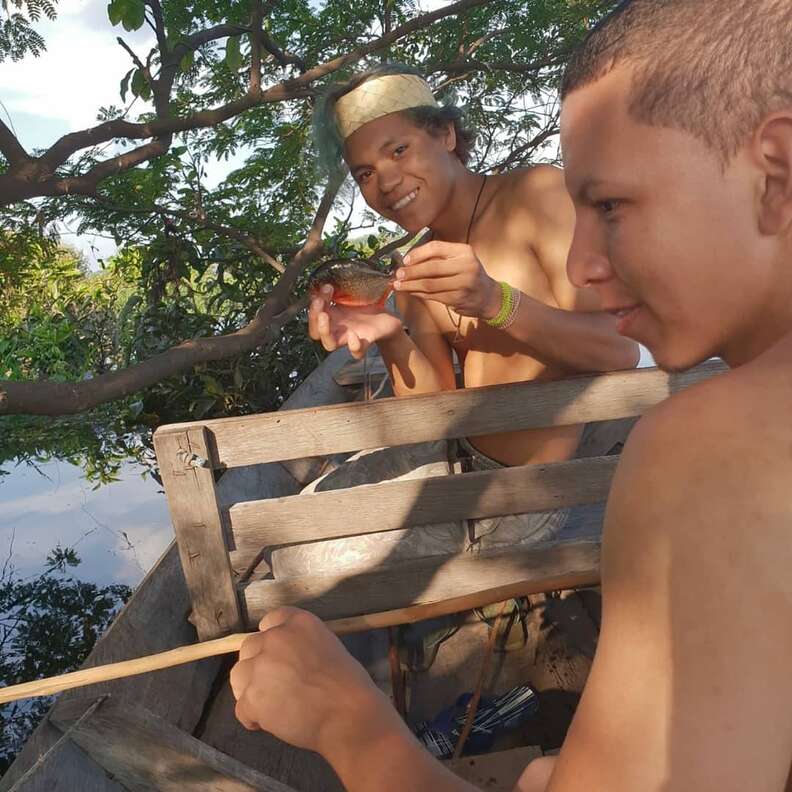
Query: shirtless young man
point(498, 241)
point(408, 156)
point(677, 135)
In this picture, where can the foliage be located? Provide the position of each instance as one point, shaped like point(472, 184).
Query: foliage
point(48, 625)
point(17, 36)
point(190, 261)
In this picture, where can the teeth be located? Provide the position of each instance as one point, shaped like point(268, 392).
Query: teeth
point(404, 201)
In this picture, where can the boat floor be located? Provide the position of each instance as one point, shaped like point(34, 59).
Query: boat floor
point(555, 661)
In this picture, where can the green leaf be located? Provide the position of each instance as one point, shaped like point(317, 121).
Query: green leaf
point(186, 63)
point(125, 84)
point(140, 85)
point(115, 11)
point(233, 56)
point(134, 15)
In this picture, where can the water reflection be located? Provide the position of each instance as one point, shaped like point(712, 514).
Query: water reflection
point(119, 530)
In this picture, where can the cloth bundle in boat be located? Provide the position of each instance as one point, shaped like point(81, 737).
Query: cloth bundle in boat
point(421, 460)
point(494, 716)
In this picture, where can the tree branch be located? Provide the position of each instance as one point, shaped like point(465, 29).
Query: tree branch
point(16, 186)
point(135, 59)
point(200, 218)
point(256, 29)
point(11, 148)
point(472, 65)
point(88, 182)
point(44, 397)
point(280, 55)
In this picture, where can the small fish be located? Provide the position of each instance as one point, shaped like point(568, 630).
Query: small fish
point(354, 281)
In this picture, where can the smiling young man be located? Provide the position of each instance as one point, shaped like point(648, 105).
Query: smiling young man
point(677, 135)
point(490, 285)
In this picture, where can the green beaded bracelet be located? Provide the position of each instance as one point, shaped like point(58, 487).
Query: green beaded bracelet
point(510, 301)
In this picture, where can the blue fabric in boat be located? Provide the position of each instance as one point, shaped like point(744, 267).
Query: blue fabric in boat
point(494, 715)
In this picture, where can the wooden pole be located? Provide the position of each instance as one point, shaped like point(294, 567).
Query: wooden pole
point(232, 643)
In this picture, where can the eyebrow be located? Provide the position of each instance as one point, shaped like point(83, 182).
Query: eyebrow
point(584, 191)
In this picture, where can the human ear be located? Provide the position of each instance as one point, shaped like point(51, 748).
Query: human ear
point(450, 137)
point(773, 153)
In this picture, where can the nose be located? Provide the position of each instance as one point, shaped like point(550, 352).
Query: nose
point(388, 177)
point(587, 262)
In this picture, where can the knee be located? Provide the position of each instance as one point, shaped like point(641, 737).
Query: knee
point(536, 776)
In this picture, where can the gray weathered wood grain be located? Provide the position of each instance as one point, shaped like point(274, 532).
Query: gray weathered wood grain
point(541, 568)
point(147, 753)
point(195, 513)
point(464, 413)
point(391, 505)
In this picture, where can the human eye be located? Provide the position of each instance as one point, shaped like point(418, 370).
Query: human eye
point(363, 176)
point(607, 207)
point(400, 149)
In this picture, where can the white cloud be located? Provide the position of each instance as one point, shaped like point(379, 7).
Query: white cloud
point(79, 72)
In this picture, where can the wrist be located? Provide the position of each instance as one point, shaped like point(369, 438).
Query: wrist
point(509, 307)
point(370, 727)
point(493, 301)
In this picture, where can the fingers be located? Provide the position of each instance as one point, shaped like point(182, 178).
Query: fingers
point(325, 333)
point(434, 250)
point(244, 717)
point(316, 308)
point(357, 346)
point(432, 268)
point(433, 285)
point(276, 617)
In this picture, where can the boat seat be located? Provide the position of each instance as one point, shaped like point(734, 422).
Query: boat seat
point(223, 545)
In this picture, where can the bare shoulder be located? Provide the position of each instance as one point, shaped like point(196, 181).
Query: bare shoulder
point(690, 680)
point(708, 470)
point(534, 184)
point(538, 195)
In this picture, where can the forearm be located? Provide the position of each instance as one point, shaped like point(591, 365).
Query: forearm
point(411, 372)
point(383, 754)
point(576, 340)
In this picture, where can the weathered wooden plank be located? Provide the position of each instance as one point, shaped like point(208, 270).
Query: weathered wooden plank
point(145, 752)
point(192, 498)
point(154, 620)
point(64, 769)
point(499, 771)
point(548, 567)
point(390, 505)
point(301, 769)
point(463, 413)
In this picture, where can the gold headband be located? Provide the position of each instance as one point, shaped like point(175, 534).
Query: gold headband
point(378, 97)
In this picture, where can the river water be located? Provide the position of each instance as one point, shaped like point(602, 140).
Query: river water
point(118, 531)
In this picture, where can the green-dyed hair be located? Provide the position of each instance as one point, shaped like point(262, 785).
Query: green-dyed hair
point(713, 68)
point(435, 120)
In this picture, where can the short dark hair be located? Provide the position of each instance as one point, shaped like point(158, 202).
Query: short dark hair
point(714, 69)
point(434, 120)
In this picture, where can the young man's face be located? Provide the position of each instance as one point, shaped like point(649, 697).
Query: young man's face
point(404, 173)
point(666, 235)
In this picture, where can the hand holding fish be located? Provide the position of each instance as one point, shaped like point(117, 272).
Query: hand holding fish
point(450, 273)
point(356, 327)
point(348, 306)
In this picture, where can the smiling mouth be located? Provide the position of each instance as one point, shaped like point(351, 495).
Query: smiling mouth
point(620, 313)
point(625, 316)
point(402, 202)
